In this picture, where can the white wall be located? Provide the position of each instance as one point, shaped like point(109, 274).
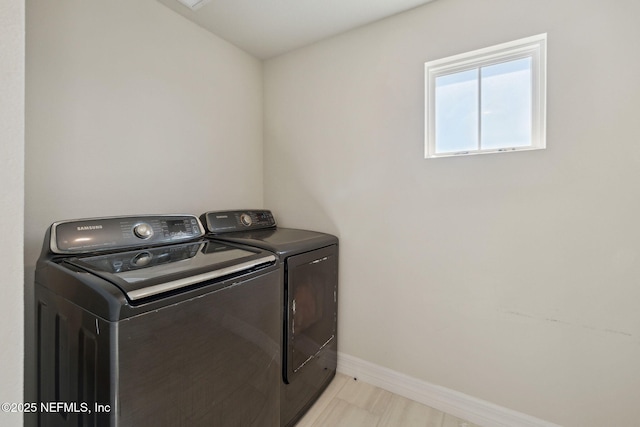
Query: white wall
point(133, 109)
point(509, 277)
point(12, 51)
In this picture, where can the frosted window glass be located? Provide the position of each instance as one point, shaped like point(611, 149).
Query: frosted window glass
point(506, 104)
point(456, 106)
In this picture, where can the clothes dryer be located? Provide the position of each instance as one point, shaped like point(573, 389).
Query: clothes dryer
point(309, 276)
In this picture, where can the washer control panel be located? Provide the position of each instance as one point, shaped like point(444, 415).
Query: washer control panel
point(102, 234)
point(218, 222)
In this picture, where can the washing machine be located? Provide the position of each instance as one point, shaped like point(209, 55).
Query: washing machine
point(308, 263)
point(140, 321)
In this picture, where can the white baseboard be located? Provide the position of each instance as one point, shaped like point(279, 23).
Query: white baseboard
point(452, 402)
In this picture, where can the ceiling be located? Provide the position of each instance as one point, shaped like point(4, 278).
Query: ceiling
point(267, 28)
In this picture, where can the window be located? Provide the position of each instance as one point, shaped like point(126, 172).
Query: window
point(487, 101)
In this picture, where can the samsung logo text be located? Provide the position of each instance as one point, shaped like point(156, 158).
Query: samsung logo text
point(89, 227)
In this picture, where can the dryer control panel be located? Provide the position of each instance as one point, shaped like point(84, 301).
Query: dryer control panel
point(218, 222)
point(103, 234)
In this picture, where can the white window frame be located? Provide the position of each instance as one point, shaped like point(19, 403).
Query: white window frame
point(534, 47)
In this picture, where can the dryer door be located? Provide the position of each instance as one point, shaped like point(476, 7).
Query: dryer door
point(311, 312)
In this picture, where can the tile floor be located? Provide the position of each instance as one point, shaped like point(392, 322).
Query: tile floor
point(352, 403)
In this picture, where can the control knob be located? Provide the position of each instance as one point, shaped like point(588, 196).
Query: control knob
point(143, 230)
point(245, 219)
point(141, 259)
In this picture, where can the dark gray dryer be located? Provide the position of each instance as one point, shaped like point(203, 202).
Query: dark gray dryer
point(143, 322)
point(309, 265)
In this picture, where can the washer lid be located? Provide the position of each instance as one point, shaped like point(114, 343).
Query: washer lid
point(152, 271)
